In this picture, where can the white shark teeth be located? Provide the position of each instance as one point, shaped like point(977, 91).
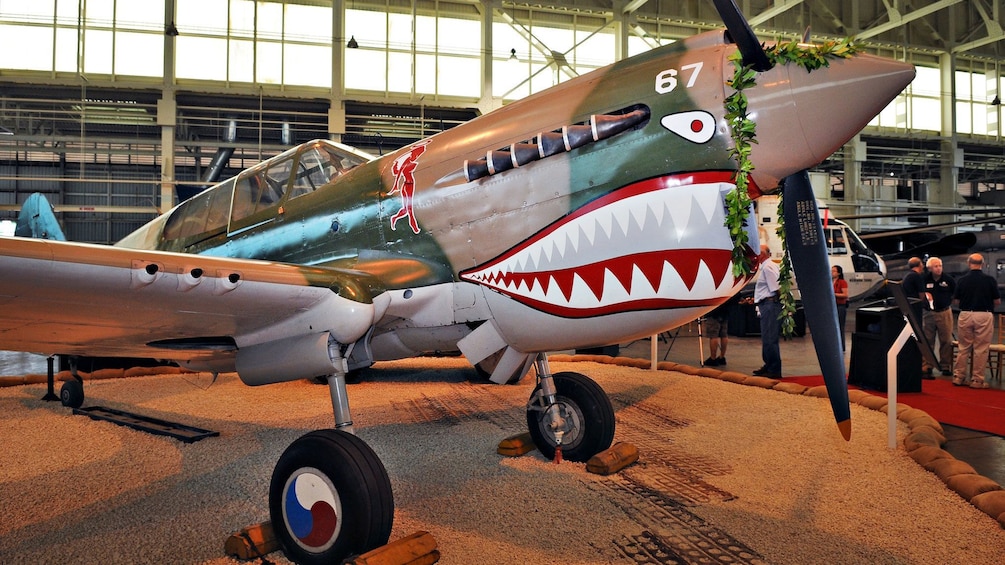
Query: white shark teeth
point(663, 243)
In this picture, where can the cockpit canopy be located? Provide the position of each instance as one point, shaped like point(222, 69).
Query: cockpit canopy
point(254, 195)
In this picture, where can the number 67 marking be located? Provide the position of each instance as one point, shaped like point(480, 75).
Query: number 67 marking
point(666, 81)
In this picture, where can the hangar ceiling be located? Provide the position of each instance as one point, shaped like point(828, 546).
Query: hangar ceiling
point(96, 129)
point(956, 26)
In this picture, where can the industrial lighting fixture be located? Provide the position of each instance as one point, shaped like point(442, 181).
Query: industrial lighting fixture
point(512, 55)
point(352, 38)
point(5, 131)
point(997, 101)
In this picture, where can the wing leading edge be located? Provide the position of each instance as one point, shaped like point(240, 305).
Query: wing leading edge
point(82, 299)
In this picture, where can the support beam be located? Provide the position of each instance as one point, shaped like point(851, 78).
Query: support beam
point(778, 8)
point(633, 5)
point(167, 112)
point(990, 23)
point(336, 109)
point(487, 9)
point(899, 20)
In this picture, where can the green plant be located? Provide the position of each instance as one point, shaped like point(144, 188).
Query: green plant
point(743, 131)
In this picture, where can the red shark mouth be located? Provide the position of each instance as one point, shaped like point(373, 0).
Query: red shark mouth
point(655, 244)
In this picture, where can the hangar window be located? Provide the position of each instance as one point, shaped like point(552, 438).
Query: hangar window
point(276, 42)
point(122, 38)
point(836, 244)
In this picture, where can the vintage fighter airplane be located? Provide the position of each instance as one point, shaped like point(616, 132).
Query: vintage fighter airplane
point(588, 214)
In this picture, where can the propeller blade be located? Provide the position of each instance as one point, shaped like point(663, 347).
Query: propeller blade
point(804, 238)
point(743, 35)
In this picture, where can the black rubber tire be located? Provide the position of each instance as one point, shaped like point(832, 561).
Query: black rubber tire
point(588, 413)
point(71, 394)
point(352, 508)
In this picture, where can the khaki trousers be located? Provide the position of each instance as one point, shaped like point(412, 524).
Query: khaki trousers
point(974, 332)
point(939, 324)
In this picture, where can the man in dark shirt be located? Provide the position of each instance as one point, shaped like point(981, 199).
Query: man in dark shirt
point(914, 285)
point(938, 317)
point(977, 295)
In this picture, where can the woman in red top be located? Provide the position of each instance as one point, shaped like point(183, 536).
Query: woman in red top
point(841, 296)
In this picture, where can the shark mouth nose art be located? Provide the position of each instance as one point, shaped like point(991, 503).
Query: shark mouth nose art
point(659, 243)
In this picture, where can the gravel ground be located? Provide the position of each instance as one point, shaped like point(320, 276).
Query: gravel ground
point(726, 474)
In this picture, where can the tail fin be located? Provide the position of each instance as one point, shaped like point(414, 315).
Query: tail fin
point(37, 220)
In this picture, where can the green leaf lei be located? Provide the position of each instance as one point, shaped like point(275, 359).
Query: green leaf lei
point(744, 133)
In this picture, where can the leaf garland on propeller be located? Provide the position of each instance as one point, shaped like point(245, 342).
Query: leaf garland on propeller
point(744, 133)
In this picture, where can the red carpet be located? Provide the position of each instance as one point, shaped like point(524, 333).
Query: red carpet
point(961, 406)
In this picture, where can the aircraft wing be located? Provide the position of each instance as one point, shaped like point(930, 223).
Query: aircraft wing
point(74, 298)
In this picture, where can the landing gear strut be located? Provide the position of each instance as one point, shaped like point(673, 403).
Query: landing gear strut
point(571, 410)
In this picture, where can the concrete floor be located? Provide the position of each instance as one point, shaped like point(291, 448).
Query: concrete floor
point(983, 451)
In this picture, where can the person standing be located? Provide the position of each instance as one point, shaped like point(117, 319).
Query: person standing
point(938, 317)
point(717, 326)
point(840, 297)
point(913, 284)
point(977, 295)
point(769, 309)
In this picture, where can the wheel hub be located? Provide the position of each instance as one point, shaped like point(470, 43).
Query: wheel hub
point(311, 509)
point(570, 423)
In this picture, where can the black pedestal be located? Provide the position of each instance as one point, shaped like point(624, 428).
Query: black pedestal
point(868, 363)
point(876, 330)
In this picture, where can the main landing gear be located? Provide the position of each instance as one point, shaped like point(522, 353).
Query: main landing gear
point(330, 496)
point(71, 394)
point(569, 410)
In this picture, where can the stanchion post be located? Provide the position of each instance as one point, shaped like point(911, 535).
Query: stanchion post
point(701, 352)
point(652, 350)
point(50, 394)
point(891, 384)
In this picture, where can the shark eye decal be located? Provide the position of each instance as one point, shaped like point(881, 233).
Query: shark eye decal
point(695, 126)
point(659, 243)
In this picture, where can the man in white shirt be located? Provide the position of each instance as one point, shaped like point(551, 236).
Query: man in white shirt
point(769, 310)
